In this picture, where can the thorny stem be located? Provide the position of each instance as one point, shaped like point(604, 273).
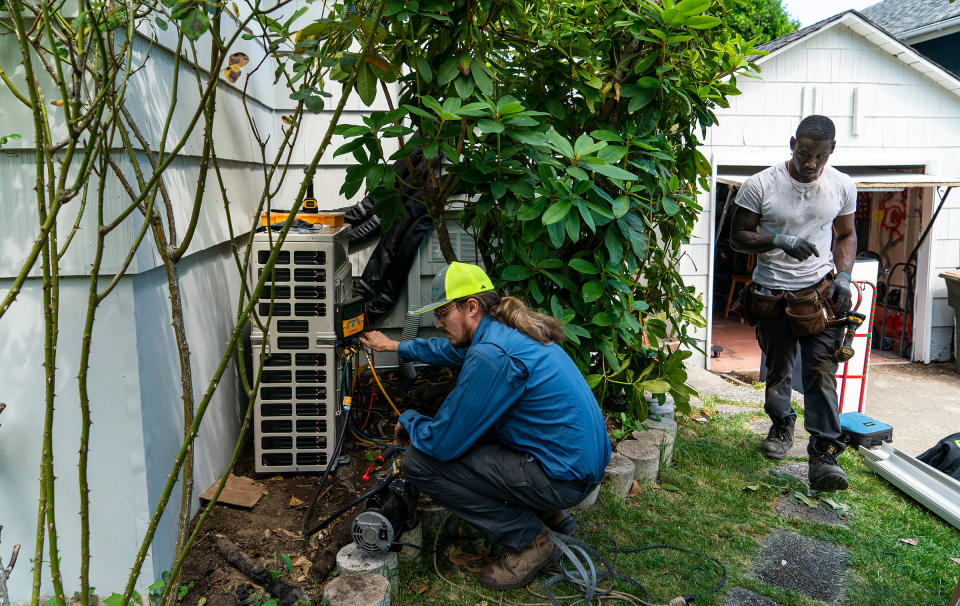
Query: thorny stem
point(241, 322)
point(93, 302)
point(14, 8)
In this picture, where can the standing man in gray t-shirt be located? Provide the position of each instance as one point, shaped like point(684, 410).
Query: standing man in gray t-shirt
point(798, 218)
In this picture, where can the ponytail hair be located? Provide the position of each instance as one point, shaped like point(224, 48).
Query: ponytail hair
point(514, 313)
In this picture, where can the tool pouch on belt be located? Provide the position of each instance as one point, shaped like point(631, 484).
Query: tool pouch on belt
point(808, 310)
point(751, 303)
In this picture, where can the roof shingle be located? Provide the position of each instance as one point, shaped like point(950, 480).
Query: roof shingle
point(899, 16)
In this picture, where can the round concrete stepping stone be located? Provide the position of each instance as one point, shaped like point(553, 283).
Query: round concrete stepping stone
point(799, 448)
point(414, 536)
point(358, 590)
point(590, 500)
point(619, 475)
point(805, 513)
point(663, 441)
point(645, 456)
point(353, 560)
point(809, 566)
point(797, 470)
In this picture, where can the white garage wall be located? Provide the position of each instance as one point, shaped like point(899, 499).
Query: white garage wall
point(887, 114)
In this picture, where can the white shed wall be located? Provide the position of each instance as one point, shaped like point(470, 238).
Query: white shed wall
point(887, 114)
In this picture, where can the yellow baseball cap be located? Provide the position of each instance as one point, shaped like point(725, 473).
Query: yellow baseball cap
point(455, 281)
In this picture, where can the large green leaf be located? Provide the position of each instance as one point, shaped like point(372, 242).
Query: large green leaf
point(482, 79)
point(641, 99)
point(604, 318)
point(515, 273)
point(489, 126)
point(366, 85)
point(448, 71)
point(464, 86)
point(424, 69)
point(614, 246)
point(557, 211)
point(692, 7)
point(614, 172)
point(557, 234)
point(530, 210)
point(194, 24)
point(592, 291)
point(655, 386)
point(583, 266)
point(559, 143)
point(704, 22)
point(670, 206)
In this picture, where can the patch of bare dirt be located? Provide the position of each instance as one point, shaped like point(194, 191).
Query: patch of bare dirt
point(270, 531)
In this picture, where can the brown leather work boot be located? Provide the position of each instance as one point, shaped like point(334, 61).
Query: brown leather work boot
point(516, 570)
point(558, 520)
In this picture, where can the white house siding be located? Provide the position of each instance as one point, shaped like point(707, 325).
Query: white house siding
point(887, 114)
point(134, 376)
point(117, 480)
point(210, 287)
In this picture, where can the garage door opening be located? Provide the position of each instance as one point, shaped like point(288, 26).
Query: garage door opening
point(894, 208)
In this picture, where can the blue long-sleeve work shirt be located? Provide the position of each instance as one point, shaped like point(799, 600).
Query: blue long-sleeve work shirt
point(528, 396)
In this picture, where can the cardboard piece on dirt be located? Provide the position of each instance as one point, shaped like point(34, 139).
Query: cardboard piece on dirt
point(239, 492)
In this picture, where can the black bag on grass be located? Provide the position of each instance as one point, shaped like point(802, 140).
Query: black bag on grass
point(945, 456)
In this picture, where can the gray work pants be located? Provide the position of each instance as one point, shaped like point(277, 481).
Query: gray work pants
point(497, 490)
point(819, 369)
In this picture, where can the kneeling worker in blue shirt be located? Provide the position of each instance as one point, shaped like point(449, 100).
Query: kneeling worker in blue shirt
point(518, 439)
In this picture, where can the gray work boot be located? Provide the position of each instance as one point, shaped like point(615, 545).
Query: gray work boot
point(779, 440)
point(825, 472)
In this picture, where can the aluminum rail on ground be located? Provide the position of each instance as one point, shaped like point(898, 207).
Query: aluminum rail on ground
point(932, 488)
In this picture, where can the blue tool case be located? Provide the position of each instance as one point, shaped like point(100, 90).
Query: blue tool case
point(857, 429)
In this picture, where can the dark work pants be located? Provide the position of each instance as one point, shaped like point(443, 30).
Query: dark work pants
point(495, 489)
point(780, 347)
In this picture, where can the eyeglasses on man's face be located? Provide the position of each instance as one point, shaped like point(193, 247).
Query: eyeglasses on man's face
point(441, 312)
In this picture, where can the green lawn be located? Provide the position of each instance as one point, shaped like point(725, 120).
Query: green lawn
point(709, 510)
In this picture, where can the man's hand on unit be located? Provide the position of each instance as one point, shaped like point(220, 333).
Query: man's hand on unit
point(377, 341)
point(795, 246)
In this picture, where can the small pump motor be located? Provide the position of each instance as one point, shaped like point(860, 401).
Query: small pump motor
point(388, 514)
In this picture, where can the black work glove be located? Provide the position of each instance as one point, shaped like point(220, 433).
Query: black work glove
point(839, 294)
point(795, 246)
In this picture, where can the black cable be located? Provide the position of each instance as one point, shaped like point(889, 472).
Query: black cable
point(348, 507)
point(688, 598)
point(387, 455)
point(586, 585)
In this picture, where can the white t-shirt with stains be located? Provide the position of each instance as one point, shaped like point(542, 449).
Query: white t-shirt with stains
point(787, 206)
